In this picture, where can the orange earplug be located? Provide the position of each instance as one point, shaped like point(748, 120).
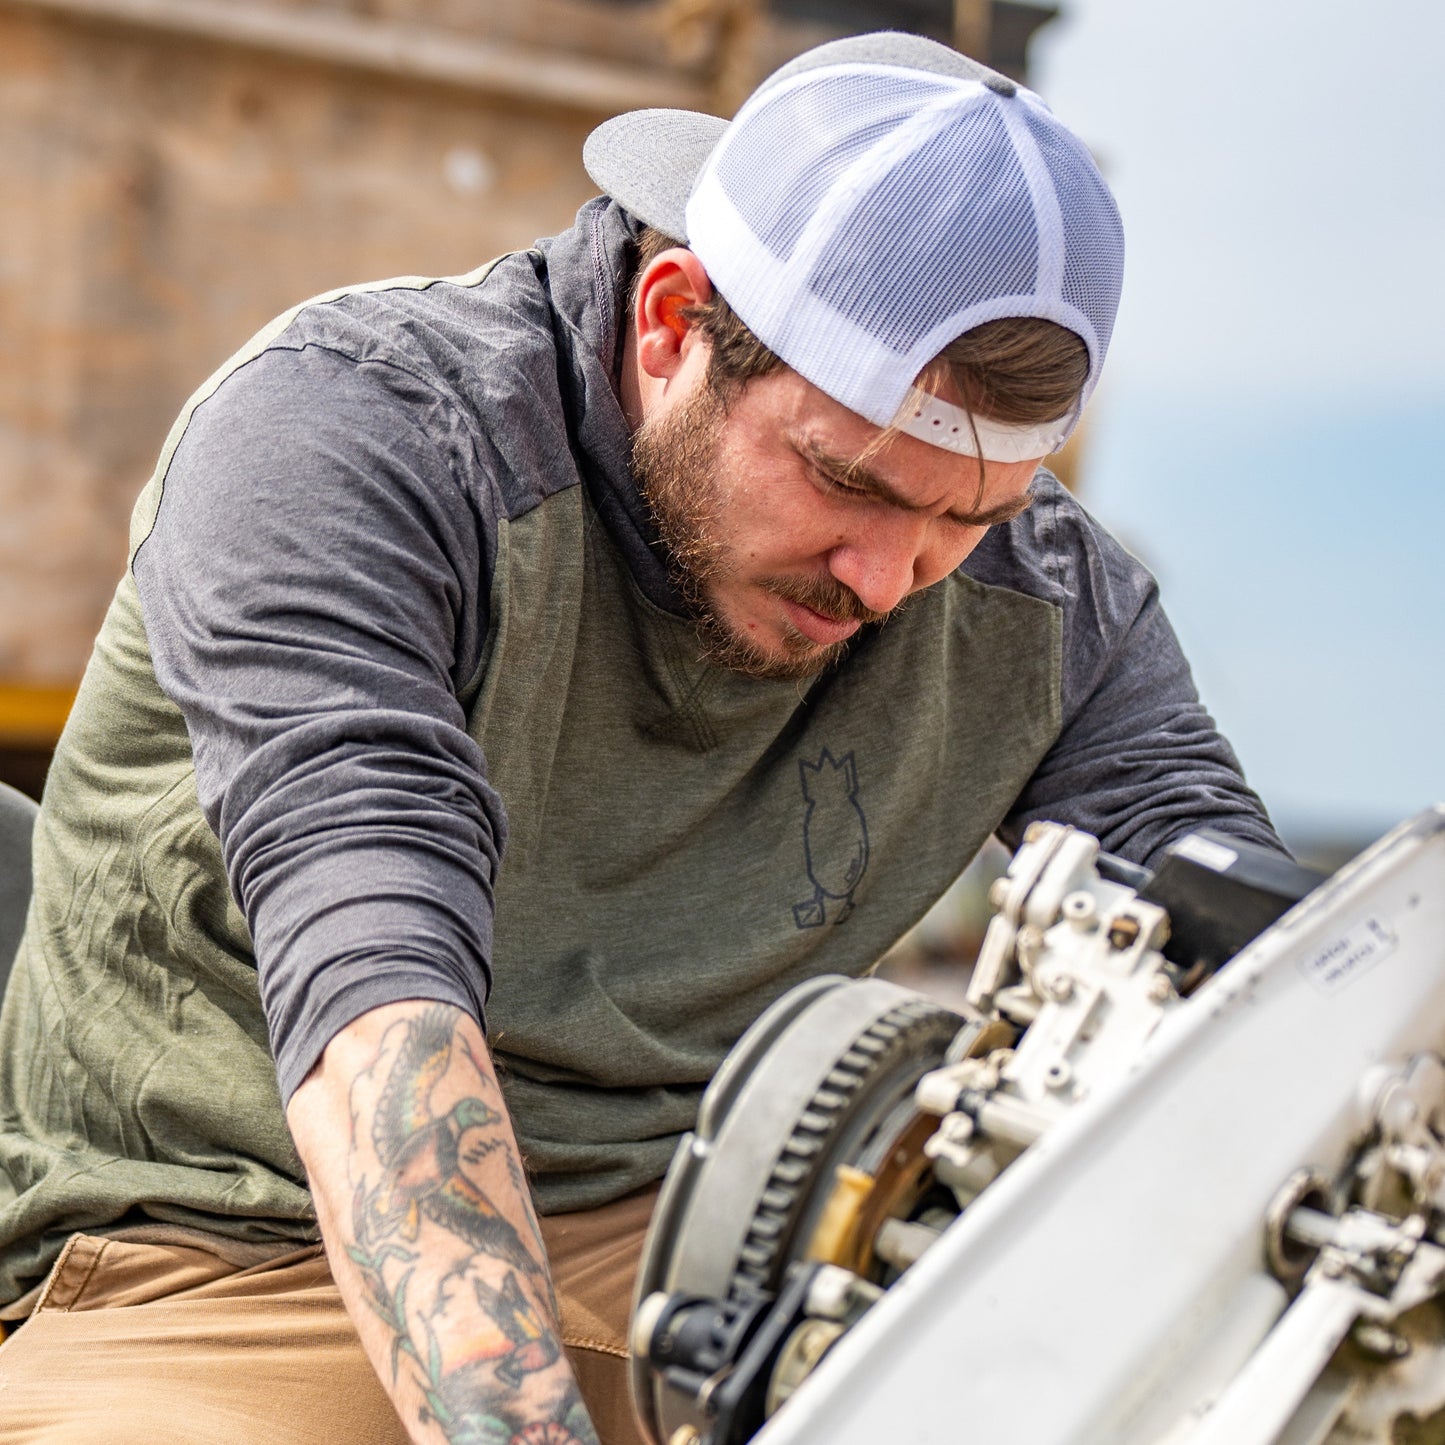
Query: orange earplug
point(671, 311)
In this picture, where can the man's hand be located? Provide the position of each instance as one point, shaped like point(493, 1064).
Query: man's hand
point(429, 1227)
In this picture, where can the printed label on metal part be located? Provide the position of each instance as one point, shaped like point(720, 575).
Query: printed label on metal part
point(1340, 963)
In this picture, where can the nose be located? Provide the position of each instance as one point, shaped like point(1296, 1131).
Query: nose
point(880, 564)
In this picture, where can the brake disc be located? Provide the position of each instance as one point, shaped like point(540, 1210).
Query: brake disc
point(805, 1141)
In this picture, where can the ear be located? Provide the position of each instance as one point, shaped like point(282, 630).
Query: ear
point(671, 283)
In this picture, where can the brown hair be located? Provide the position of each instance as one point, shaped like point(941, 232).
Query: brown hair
point(1019, 369)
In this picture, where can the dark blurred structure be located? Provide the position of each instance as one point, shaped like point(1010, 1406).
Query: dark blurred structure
point(999, 32)
point(176, 172)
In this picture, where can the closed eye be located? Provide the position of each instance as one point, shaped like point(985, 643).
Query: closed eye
point(830, 482)
point(995, 516)
point(838, 485)
point(835, 479)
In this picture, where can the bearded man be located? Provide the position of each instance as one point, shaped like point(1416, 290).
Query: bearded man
point(700, 561)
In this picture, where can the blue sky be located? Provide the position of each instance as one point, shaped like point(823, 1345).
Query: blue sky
point(1267, 435)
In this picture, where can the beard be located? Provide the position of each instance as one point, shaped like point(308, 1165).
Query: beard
point(674, 461)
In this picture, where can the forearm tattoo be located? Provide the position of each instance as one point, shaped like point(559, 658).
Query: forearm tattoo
point(462, 1289)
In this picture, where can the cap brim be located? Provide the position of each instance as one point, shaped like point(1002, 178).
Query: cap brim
point(647, 161)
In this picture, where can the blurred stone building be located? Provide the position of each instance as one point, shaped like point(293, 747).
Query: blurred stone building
point(176, 172)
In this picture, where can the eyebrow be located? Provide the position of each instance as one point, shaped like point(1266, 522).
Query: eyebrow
point(858, 475)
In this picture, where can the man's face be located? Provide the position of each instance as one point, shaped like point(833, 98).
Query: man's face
point(791, 521)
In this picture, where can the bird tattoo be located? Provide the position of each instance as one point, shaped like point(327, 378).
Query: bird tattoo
point(423, 1153)
point(534, 1346)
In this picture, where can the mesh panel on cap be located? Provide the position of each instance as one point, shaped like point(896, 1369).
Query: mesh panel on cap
point(859, 217)
point(841, 124)
point(1094, 240)
point(957, 248)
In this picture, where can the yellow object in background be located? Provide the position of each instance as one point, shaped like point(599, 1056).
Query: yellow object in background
point(32, 716)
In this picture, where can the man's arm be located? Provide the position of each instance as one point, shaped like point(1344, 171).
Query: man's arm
point(1138, 762)
point(314, 595)
point(430, 1231)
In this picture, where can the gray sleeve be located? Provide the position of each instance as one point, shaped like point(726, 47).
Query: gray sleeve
point(1139, 761)
point(313, 593)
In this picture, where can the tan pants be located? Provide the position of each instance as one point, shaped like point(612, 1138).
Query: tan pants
point(166, 1344)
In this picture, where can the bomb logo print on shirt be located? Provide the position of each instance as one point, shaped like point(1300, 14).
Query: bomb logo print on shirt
point(835, 838)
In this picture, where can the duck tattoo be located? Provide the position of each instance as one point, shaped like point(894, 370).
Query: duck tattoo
point(423, 1153)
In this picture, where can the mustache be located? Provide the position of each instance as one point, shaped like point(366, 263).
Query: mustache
point(826, 596)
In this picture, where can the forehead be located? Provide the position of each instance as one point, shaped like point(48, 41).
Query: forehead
point(788, 414)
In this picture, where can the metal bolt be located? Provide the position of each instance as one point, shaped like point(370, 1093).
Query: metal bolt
point(1078, 908)
point(998, 892)
point(1375, 1339)
point(1030, 941)
point(1055, 984)
point(1123, 931)
point(1160, 989)
point(1058, 1076)
point(958, 1128)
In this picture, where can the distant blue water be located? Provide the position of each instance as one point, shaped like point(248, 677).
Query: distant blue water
point(1300, 556)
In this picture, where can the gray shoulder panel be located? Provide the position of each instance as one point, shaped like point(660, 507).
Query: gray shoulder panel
point(1140, 761)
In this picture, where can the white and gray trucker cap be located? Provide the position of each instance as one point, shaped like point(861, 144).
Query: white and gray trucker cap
point(872, 200)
